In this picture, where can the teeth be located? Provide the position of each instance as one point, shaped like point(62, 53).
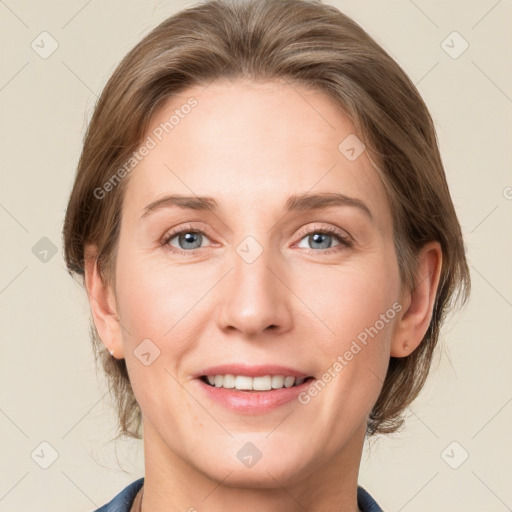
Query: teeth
point(264, 383)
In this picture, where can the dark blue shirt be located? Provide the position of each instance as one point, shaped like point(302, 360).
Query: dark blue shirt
point(124, 500)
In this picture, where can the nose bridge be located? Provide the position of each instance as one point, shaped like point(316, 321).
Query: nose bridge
point(256, 298)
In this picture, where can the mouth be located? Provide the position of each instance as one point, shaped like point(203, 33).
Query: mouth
point(247, 384)
point(253, 389)
point(246, 395)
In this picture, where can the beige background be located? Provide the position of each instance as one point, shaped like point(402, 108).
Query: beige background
point(49, 390)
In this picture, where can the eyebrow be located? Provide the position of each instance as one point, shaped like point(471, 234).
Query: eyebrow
point(297, 202)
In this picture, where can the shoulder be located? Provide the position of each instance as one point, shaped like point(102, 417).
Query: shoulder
point(365, 502)
point(124, 500)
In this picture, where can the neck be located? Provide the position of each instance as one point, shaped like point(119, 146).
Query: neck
point(172, 483)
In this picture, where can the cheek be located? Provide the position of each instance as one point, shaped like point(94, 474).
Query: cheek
point(352, 297)
point(154, 295)
point(159, 303)
point(365, 306)
point(358, 306)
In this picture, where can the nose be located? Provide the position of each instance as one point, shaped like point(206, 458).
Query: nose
point(256, 298)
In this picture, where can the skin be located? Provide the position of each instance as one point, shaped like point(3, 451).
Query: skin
point(250, 146)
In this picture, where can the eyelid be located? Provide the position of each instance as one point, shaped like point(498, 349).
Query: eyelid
point(170, 233)
point(341, 233)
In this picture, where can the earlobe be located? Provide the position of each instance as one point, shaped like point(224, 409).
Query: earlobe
point(103, 305)
point(418, 303)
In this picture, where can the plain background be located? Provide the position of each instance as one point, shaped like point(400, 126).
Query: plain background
point(49, 389)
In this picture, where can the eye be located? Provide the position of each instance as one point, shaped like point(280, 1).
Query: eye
point(187, 239)
point(322, 239)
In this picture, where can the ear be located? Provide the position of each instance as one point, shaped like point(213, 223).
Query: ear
point(103, 305)
point(418, 303)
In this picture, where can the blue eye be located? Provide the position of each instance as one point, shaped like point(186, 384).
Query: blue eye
point(188, 240)
point(323, 238)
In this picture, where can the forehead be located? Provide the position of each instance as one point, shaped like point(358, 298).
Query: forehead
point(252, 144)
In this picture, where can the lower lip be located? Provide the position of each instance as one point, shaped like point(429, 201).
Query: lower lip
point(253, 402)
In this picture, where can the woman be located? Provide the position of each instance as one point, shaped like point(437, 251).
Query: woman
point(254, 363)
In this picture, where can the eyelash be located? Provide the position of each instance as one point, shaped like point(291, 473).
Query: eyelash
point(344, 240)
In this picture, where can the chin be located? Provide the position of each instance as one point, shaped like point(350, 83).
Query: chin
point(270, 471)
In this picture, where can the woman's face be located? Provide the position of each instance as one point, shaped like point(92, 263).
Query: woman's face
point(255, 281)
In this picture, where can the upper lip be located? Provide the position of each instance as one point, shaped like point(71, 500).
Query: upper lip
point(252, 370)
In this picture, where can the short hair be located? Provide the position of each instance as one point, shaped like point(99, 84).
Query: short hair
point(306, 43)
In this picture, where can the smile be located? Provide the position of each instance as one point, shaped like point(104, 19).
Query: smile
point(246, 383)
point(245, 398)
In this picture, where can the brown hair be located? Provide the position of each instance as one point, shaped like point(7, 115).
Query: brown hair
point(307, 43)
